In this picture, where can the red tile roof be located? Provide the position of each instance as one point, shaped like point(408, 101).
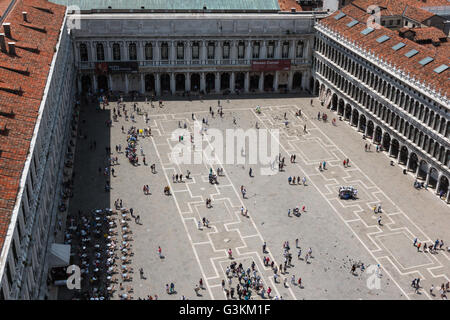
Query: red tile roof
point(395, 8)
point(286, 5)
point(22, 82)
point(425, 33)
point(384, 50)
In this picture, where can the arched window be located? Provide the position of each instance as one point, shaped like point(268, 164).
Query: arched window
point(256, 50)
point(299, 50)
point(180, 50)
point(132, 51)
point(116, 51)
point(83, 52)
point(195, 50)
point(100, 52)
point(164, 51)
point(271, 50)
point(285, 50)
point(148, 51)
point(211, 50)
point(226, 50)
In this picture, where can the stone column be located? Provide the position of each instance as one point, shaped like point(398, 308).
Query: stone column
point(290, 79)
point(275, 82)
point(248, 53)
point(108, 51)
point(217, 84)
point(261, 82)
point(187, 82)
point(172, 53)
point(232, 80)
point(172, 83)
point(263, 54)
point(110, 83)
point(188, 52)
point(140, 51)
point(202, 81)
point(218, 53)
point(233, 51)
point(291, 54)
point(158, 84)
point(142, 84)
point(126, 83)
point(277, 54)
point(80, 85)
point(95, 83)
point(156, 52)
point(448, 196)
point(203, 53)
point(247, 82)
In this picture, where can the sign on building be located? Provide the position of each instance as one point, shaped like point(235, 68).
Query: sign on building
point(271, 65)
point(116, 67)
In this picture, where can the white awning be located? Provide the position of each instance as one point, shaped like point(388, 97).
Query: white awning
point(59, 255)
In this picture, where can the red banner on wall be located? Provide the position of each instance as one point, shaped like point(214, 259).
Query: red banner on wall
point(271, 65)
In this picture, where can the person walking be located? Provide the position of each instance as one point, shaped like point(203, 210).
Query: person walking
point(159, 252)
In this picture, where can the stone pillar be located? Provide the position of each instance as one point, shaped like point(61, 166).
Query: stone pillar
point(140, 50)
point(95, 83)
point(247, 82)
point(187, 82)
point(158, 84)
point(172, 53)
point(291, 54)
point(218, 53)
point(232, 81)
point(80, 85)
point(448, 196)
point(248, 53)
point(217, 84)
point(202, 81)
point(188, 52)
point(172, 83)
point(277, 54)
point(110, 83)
point(126, 83)
point(234, 52)
point(290, 79)
point(275, 82)
point(263, 54)
point(142, 84)
point(261, 82)
point(156, 52)
point(203, 54)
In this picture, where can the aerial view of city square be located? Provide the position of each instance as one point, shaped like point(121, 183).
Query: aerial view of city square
point(229, 150)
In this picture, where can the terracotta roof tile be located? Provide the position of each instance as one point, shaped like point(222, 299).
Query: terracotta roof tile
point(22, 82)
point(384, 50)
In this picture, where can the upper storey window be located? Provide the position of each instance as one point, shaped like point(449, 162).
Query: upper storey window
point(83, 52)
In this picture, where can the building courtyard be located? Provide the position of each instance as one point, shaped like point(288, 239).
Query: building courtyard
point(339, 232)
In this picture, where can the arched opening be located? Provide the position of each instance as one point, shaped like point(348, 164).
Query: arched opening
point(403, 158)
point(297, 81)
point(378, 135)
point(165, 82)
point(316, 88)
point(348, 112)
point(254, 82)
point(149, 82)
point(341, 107)
point(433, 178)
point(225, 81)
point(239, 81)
point(395, 146)
point(355, 117)
point(423, 170)
point(334, 102)
point(413, 163)
point(362, 123)
point(386, 141)
point(180, 80)
point(195, 82)
point(370, 127)
point(210, 82)
point(86, 85)
point(102, 83)
point(268, 82)
point(443, 186)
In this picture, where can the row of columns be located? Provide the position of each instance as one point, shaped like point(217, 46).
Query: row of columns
point(217, 81)
point(203, 47)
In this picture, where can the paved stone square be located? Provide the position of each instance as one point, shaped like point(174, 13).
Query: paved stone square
point(340, 232)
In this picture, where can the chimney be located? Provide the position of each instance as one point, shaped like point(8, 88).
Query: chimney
point(293, 10)
point(7, 29)
point(2, 42)
point(12, 48)
point(25, 16)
